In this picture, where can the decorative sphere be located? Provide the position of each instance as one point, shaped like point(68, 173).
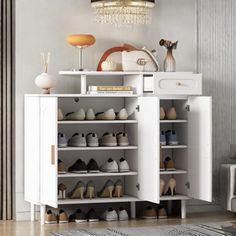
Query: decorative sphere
point(45, 81)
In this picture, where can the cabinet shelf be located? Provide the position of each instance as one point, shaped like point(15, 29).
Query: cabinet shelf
point(173, 172)
point(174, 146)
point(79, 95)
point(175, 197)
point(104, 73)
point(100, 174)
point(173, 121)
point(97, 148)
point(71, 122)
point(125, 198)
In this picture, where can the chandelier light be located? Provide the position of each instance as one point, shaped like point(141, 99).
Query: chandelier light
point(123, 12)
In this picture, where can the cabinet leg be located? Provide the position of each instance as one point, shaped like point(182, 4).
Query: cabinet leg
point(133, 210)
point(32, 212)
point(183, 209)
point(42, 214)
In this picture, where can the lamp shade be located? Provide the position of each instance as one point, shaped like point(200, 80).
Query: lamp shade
point(81, 40)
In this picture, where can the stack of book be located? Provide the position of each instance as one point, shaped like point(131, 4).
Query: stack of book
point(116, 90)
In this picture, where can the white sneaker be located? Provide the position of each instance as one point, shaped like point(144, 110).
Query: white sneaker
point(77, 140)
point(122, 114)
point(79, 115)
point(110, 166)
point(123, 165)
point(109, 215)
point(90, 114)
point(92, 140)
point(122, 214)
point(122, 139)
point(107, 115)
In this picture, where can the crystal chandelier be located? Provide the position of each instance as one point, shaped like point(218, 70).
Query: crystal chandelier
point(123, 12)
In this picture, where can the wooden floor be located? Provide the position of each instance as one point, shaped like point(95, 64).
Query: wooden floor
point(13, 228)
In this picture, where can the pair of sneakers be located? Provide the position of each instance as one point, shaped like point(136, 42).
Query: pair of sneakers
point(53, 218)
point(82, 140)
point(79, 216)
point(112, 166)
point(81, 168)
point(168, 138)
point(112, 139)
point(81, 115)
point(110, 114)
point(111, 215)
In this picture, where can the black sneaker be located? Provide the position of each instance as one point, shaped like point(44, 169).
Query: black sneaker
point(92, 166)
point(92, 216)
point(80, 216)
point(78, 167)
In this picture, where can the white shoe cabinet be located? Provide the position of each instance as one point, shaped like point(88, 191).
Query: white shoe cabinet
point(193, 156)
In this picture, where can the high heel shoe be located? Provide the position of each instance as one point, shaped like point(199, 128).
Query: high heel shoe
point(90, 190)
point(61, 191)
point(119, 190)
point(170, 188)
point(162, 166)
point(162, 113)
point(107, 189)
point(78, 191)
point(162, 185)
point(171, 114)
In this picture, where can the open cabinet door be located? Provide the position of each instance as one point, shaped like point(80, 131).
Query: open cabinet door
point(48, 147)
point(148, 149)
point(200, 148)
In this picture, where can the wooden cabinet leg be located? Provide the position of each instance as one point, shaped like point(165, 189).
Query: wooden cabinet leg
point(42, 214)
point(133, 210)
point(183, 209)
point(32, 212)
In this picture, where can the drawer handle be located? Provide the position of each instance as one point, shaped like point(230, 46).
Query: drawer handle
point(52, 154)
point(178, 84)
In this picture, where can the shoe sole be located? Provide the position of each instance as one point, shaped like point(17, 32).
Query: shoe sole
point(62, 145)
point(63, 222)
point(123, 144)
point(111, 219)
point(80, 221)
point(62, 172)
point(122, 171)
point(92, 144)
point(110, 171)
point(173, 143)
point(76, 145)
point(93, 220)
point(79, 172)
point(50, 222)
point(93, 171)
point(109, 144)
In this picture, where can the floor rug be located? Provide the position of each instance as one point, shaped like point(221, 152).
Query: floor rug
point(167, 230)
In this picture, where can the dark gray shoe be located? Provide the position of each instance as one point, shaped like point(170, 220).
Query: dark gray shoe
point(92, 216)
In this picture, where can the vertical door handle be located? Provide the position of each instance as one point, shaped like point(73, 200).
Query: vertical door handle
point(52, 154)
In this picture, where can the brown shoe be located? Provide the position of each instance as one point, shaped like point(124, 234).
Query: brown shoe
point(162, 213)
point(62, 217)
point(50, 217)
point(61, 167)
point(149, 213)
point(61, 191)
point(169, 164)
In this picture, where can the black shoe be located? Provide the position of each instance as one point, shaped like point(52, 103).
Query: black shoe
point(78, 167)
point(92, 216)
point(92, 166)
point(80, 216)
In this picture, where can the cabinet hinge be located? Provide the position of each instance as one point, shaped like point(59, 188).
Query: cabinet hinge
point(138, 186)
point(187, 108)
point(138, 108)
point(187, 184)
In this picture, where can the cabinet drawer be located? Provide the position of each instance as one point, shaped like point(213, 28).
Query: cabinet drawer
point(186, 84)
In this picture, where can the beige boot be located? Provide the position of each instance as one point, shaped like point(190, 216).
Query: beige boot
point(162, 185)
point(171, 114)
point(170, 187)
point(162, 113)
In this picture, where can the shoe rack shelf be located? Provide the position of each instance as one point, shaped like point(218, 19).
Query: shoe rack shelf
point(174, 146)
point(194, 154)
point(173, 172)
point(101, 174)
point(97, 122)
point(125, 198)
point(97, 148)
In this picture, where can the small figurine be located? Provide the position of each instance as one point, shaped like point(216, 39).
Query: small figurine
point(169, 62)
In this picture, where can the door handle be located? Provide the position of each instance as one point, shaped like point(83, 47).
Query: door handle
point(52, 154)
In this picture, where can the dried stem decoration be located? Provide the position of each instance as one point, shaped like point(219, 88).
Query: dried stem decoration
point(45, 58)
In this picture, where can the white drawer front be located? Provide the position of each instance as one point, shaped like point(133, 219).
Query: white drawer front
point(185, 86)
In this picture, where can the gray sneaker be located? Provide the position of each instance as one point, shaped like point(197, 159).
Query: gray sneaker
point(122, 139)
point(122, 214)
point(109, 140)
point(92, 140)
point(109, 215)
point(162, 138)
point(107, 115)
point(77, 140)
point(171, 137)
point(62, 141)
point(90, 115)
point(110, 166)
point(79, 115)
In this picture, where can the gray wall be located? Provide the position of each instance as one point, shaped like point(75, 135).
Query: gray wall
point(43, 25)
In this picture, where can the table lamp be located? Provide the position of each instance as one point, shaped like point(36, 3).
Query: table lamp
point(81, 41)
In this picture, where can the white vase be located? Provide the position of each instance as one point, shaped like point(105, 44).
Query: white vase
point(45, 82)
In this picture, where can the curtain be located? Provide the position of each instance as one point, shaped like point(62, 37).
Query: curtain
point(6, 108)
